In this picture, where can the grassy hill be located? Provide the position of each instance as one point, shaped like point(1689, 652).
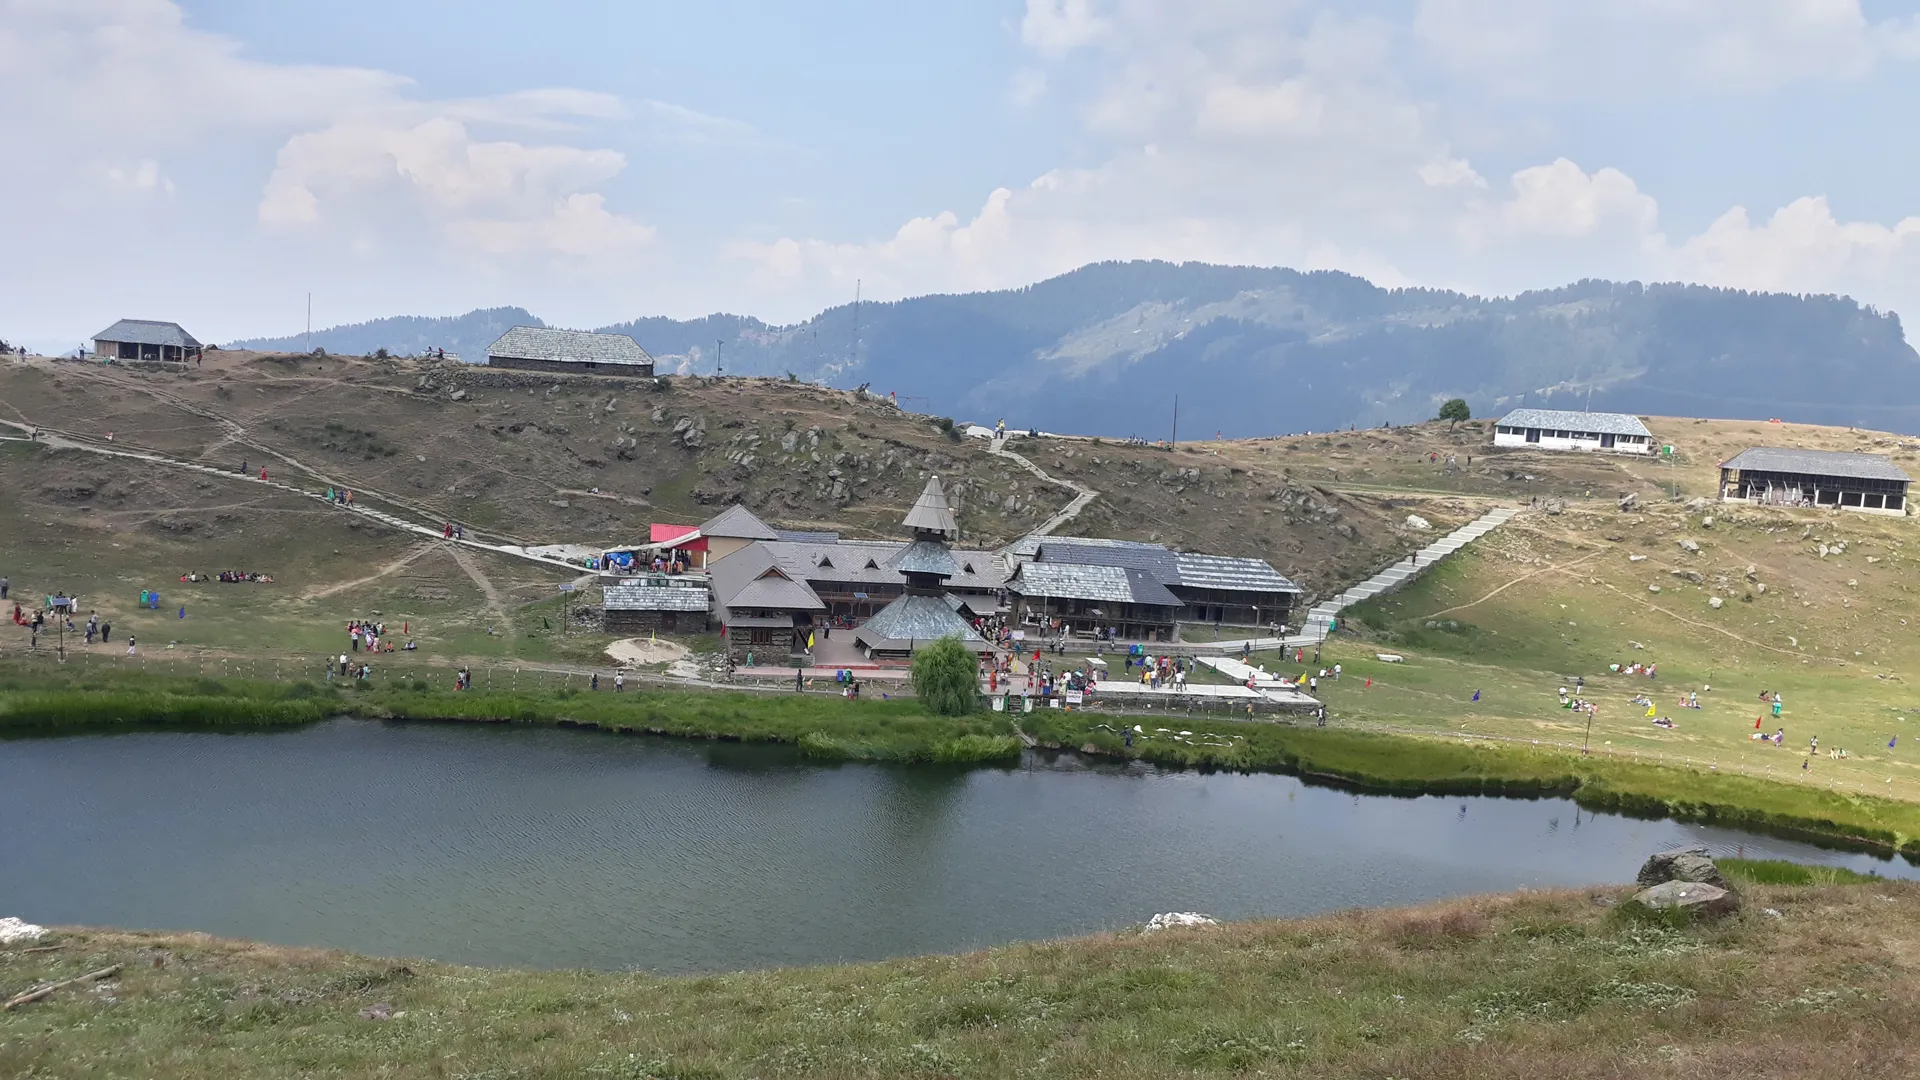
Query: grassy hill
point(1807, 980)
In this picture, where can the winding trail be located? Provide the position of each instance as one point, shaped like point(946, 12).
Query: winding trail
point(1082, 495)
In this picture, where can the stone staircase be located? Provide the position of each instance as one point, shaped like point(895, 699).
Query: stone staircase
point(1320, 619)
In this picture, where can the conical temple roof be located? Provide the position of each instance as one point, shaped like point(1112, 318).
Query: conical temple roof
point(931, 513)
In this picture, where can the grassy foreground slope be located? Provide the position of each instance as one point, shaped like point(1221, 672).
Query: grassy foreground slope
point(1557, 984)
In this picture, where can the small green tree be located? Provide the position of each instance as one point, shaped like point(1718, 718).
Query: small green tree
point(1454, 411)
point(947, 678)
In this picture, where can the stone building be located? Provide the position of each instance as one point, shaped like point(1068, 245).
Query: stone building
point(147, 340)
point(1559, 429)
point(1776, 476)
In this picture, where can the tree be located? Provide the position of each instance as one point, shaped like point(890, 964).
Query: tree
point(1454, 411)
point(946, 676)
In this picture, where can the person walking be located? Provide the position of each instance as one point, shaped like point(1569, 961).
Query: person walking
point(130, 641)
point(799, 679)
point(620, 683)
point(4, 586)
point(595, 685)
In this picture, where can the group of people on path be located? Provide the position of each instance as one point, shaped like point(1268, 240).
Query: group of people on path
point(337, 496)
point(251, 577)
point(453, 530)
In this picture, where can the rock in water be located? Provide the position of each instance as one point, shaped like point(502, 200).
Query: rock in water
point(14, 929)
point(1179, 918)
point(1681, 864)
point(1693, 897)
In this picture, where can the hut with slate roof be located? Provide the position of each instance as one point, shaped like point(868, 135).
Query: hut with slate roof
point(146, 340)
point(923, 612)
point(571, 352)
point(1777, 476)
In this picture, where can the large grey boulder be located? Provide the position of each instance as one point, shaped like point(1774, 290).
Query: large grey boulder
point(1682, 864)
point(1693, 897)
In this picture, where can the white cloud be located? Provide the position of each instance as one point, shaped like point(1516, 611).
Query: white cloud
point(1804, 248)
point(1448, 171)
point(1645, 48)
point(1054, 28)
point(144, 177)
point(361, 153)
point(1562, 200)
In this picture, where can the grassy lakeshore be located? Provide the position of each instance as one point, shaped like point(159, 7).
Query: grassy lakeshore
point(1526, 985)
point(830, 728)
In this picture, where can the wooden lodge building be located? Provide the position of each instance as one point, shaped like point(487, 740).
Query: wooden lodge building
point(1775, 476)
point(569, 352)
point(1156, 588)
point(656, 602)
point(147, 340)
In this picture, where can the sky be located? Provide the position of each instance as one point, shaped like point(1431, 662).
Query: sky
point(215, 162)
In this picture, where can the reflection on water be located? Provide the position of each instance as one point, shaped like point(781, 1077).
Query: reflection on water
point(500, 844)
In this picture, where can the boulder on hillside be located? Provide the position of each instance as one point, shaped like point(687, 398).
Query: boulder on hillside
point(1681, 864)
point(1415, 521)
point(1630, 501)
point(1692, 897)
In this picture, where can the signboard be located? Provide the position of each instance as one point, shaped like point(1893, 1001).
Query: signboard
point(1026, 704)
point(1075, 697)
point(567, 587)
point(1019, 635)
point(999, 704)
point(1667, 449)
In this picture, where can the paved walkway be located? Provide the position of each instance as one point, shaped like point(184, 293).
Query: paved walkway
point(1320, 618)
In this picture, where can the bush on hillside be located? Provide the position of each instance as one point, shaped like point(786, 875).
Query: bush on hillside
point(946, 677)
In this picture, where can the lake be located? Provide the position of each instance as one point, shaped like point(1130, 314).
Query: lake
point(549, 847)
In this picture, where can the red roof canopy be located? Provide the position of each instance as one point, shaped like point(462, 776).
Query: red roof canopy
point(660, 534)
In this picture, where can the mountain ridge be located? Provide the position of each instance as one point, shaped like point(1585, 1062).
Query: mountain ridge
point(1257, 350)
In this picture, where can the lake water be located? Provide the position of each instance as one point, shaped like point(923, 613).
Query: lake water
point(556, 848)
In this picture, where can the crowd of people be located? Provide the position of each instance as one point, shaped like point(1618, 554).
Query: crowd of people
point(231, 576)
point(371, 636)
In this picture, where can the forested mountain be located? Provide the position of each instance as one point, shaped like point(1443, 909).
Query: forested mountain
point(1249, 350)
point(466, 336)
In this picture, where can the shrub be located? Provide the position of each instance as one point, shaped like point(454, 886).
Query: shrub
point(946, 676)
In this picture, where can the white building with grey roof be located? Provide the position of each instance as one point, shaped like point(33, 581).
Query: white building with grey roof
point(1559, 429)
point(571, 352)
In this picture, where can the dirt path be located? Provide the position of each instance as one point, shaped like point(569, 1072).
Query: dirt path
point(392, 567)
point(1523, 577)
point(495, 605)
point(1082, 495)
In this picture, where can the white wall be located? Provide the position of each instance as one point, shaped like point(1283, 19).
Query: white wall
point(1550, 442)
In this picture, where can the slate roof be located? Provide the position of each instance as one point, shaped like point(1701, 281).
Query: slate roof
point(802, 536)
point(737, 522)
point(1816, 463)
point(654, 598)
point(1229, 572)
point(931, 513)
point(1604, 423)
point(912, 619)
point(1173, 568)
point(148, 332)
point(1152, 558)
point(849, 560)
point(924, 557)
point(777, 592)
point(1081, 581)
point(572, 346)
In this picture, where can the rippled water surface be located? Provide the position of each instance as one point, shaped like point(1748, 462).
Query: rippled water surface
point(559, 848)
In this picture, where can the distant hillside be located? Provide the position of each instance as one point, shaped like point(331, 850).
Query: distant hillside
point(466, 336)
point(1250, 350)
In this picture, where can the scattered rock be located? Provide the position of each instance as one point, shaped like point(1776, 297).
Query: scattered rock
point(1636, 558)
point(1653, 588)
point(1760, 588)
point(1706, 522)
point(1853, 583)
point(1690, 864)
point(1694, 576)
point(14, 929)
point(1753, 572)
point(1692, 897)
point(378, 1011)
point(458, 395)
point(1715, 602)
point(1689, 545)
point(1415, 521)
point(1629, 501)
point(1179, 918)
point(1696, 505)
point(1771, 913)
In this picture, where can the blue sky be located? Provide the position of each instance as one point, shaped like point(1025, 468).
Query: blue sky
point(214, 161)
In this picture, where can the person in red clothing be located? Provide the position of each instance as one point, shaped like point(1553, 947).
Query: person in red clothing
point(263, 472)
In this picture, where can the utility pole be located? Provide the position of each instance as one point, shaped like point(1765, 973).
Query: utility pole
point(1175, 441)
point(308, 339)
point(1588, 742)
point(719, 355)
